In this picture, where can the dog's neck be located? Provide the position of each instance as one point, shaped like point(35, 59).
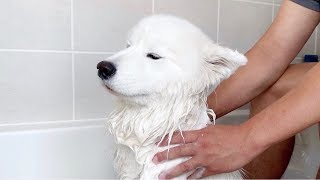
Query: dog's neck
point(140, 127)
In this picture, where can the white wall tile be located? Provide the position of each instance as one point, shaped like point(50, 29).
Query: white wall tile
point(259, 1)
point(35, 24)
point(92, 99)
point(35, 87)
point(102, 25)
point(278, 1)
point(297, 61)
point(203, 14)
point(242, 23)
point(267, 1)
point(246, 106)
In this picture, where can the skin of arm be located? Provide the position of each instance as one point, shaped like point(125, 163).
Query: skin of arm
point(267, 59)
point(223, 148)
point(297, 110)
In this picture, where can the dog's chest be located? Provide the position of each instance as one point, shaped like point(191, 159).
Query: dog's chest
point(140, 151)
point(152, 171)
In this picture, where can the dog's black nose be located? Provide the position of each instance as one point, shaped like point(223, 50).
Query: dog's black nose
point(106, 69)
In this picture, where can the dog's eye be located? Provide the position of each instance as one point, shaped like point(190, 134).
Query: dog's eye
point(128, 45)
point(153, 56)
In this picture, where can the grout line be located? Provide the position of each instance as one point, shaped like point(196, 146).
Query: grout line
point(72, 25)
point(153, 6)
point(34, 50)
point(54, 122)
point(254, 2)
point(28, 129)
point(273, 8)
point(54, 51)
point(298, 58)
point(316, 40)
point(93, 52)
point(72, 61)
point(51, 125)
point(73, 88)
point(218, 21)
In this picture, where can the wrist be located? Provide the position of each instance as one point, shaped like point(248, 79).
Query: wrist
point(255, 142)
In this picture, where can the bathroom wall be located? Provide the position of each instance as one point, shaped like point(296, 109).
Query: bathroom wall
point(52, 104)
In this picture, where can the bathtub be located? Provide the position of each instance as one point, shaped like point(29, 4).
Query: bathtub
point(84, 149)
point(71, 150)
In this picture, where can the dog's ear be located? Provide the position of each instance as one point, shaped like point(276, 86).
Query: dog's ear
point(221, 62)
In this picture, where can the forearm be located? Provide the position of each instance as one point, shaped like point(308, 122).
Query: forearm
point(247, 83)
point(268, 59)
point(295, 111)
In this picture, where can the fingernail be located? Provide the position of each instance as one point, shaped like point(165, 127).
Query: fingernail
point(162, 176)
point(155, 159)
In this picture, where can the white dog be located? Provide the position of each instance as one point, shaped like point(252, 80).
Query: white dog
point(162, 81)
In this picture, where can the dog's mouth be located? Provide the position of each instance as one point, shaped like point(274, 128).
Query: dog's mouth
point(112, 91)
point(116, 93)
point(109, 88)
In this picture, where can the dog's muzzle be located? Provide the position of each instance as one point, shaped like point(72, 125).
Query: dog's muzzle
point(106, 70)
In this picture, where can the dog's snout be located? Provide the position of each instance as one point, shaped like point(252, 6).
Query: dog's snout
point(106, 69)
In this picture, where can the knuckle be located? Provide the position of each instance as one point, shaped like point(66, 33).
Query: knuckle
point(172, 153)
point(183, 150)
point(202, 144)
point(186, 167)
point(203, 161)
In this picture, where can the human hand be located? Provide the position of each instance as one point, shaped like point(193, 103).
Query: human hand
point(217, 149)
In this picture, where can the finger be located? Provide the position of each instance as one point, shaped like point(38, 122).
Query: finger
point(182, 168)
point(197, 174)
point(181, 138)
point(175, 152)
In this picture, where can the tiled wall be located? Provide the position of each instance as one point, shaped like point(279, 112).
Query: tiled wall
point(49, 50)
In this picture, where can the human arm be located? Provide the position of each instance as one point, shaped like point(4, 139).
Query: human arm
point(267, 59)
point(226, 148)
point(297, 110)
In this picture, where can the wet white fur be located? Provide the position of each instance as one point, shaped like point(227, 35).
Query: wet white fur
point(158, 97)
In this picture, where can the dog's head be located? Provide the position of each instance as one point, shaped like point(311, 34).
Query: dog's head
point(167, 56)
